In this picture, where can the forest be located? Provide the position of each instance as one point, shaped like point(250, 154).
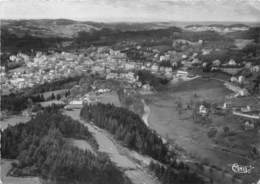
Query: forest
point(106, 36)
point(200, 35)
point(174, 173)
point(41, 149)
point(13, 43)
point(129, 128)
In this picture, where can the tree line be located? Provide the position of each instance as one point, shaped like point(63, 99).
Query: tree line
point(174, 173)
point(129, 128)
point(19, 101)
point(106, 36)
point(64, 83)
point(26, 43)
point(42, 149)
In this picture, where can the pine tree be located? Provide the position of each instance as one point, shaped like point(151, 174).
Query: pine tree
point(52, 96)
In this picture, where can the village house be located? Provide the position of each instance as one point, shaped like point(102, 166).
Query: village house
point(231, 62)
point(248, 65)
point(186, 63)
point(168, 69)
point(196, 61)
point(255, 69)
point(216, 63)
point(203, 111)
point(129, 66)
point(239, 91)
point(162, 69)
point(146, 87)
point(154, 68)
point(206, 51)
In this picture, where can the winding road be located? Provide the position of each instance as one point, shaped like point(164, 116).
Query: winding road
point(146, 113)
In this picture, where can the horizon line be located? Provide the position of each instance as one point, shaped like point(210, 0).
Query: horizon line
point(130, 21)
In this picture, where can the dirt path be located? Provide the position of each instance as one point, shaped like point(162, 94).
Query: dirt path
point(128, 161)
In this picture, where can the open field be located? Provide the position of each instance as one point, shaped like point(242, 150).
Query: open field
point(110, 97)
point(204, 89)
point(178, 126)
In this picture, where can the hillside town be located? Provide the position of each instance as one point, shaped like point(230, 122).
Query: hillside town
point(114, 64)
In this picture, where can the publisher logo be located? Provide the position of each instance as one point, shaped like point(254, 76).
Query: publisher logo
point(236, 168)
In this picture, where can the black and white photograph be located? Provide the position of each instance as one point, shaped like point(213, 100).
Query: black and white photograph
point(130, 91)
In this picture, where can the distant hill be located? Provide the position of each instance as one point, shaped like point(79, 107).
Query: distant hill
point(57, 34)
point(66, 28)
point(46, 28)
point(45, 34)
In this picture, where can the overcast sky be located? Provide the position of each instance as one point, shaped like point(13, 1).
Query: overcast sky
point(133, 10)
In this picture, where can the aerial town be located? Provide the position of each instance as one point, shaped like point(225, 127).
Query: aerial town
point(138, 103)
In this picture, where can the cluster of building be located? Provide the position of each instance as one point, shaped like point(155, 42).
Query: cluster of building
point(44, 68)
point(114, 64)
point(41, 69)
point(217, 28)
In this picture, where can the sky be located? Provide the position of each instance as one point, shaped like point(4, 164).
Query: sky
point(133, 10)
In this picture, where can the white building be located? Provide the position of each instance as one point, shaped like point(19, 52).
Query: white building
point(216, 63)
point(241, 79)
point(154, 68)
point(181, 73)
point(232, 62)
point(168, 70)
point(255, 69)
point(76, 102)
point(203, 110)
point(130, 66)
